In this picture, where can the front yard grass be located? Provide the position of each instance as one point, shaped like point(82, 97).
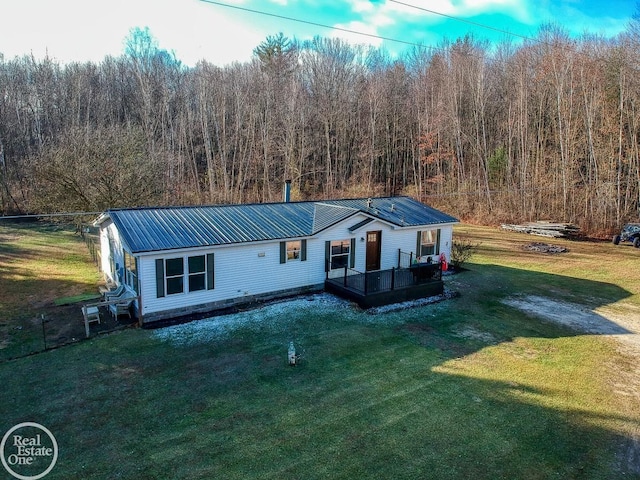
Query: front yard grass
point(467, 388)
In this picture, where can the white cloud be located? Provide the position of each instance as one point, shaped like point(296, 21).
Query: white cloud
point(88, 30)
point(428, 10)
point(513, 8)
point(369, 37)
point(362, 6)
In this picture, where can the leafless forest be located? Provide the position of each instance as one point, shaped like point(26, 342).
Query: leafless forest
point(544, 129)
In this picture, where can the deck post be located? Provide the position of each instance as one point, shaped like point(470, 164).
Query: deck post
point(345, 276)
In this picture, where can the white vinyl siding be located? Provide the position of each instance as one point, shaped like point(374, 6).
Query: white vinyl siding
point(244, 270)
point(240, 271)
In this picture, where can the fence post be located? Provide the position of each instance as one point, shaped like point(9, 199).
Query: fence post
point(399, 258)
point(345, 276)
point(86, 320)
point(393, 278)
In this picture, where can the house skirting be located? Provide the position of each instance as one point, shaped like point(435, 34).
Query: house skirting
point(177, 315)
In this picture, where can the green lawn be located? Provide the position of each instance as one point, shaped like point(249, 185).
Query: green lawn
point(40, 264)
point(467, 388)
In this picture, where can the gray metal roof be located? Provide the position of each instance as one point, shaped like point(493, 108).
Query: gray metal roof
point(325, 215)
point(168, 228)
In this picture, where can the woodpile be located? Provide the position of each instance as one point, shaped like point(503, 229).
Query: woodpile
point(545, 229)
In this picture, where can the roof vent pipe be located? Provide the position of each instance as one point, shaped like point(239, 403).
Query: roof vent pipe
point(368, 203)
point(286, 193)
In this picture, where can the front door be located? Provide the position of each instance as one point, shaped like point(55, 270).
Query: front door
point(373, 250)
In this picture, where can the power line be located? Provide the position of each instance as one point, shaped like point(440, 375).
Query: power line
point(458, 19)
point(315, 24)
point(390, 39)
point(48, 215)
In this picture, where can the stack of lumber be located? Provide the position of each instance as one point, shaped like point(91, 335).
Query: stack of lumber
point(545, 229)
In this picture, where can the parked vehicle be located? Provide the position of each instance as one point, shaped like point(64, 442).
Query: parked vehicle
point(630, 233)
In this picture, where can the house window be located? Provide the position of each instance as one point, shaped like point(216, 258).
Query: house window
point(173, 274)
point(197, 273)
point(174, 268)
point(340, 251)
point(293, 250)
point(428, 242)
point(130, 271)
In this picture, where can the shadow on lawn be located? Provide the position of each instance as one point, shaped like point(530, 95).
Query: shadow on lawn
point(516, 304)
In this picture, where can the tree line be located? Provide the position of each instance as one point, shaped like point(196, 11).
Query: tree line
point(544, 129)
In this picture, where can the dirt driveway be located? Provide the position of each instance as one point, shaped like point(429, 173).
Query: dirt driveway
point(620, 322)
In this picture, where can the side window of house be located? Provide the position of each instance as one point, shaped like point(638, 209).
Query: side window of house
point(196, 273)
point(130, 271)
point(293, 250)
point(428, 242)
point(174, 274)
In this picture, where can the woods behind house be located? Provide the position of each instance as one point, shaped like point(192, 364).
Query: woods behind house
point(547, 128)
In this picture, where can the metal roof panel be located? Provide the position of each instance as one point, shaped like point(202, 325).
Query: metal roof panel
point(168, 228)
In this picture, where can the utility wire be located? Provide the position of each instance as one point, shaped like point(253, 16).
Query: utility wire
point(458, 19)
point(48, 215)
point(390, 39)
point(315, 24)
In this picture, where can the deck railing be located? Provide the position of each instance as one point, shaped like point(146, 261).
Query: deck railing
point(368, 283)
point(405, 259)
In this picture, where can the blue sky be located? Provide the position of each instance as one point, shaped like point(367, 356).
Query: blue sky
point(87, 30)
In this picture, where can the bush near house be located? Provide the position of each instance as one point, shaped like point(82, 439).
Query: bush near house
point(461, 252)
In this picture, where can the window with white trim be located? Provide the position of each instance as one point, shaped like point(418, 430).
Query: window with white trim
point(340, 251)
point(184, 274)
point(130, 271)
point(428, 241)
point(293, 250)
point(174, 275)
point(197, 273)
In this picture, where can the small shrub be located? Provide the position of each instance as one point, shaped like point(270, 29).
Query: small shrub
point(461, 251)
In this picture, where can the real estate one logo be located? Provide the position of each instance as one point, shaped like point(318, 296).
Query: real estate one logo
point(28, 451)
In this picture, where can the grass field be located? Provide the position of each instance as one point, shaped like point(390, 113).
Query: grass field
point(39, 265)
point(467, 388)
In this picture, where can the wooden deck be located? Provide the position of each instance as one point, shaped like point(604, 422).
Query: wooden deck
point(383, 287)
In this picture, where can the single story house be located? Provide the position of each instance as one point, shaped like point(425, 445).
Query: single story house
point(179, 261)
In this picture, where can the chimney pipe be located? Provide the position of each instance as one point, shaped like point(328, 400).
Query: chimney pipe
point(286, 191)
